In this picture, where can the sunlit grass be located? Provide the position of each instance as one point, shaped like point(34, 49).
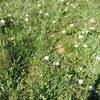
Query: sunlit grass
point(49, 49)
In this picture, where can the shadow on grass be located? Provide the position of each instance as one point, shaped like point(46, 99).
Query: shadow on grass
point(94, 95)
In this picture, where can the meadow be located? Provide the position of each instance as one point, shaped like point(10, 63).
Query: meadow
point(49, 49)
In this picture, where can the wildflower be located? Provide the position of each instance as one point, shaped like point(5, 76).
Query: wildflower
point(76, 45)
point(67, 3)
point(98, 58)
point(12, 38)
point(39, 5)
point(86, 31)
point(52, 35)
point(9, 15)
point(46, 58)
point(56, 63)
point(46, 14)
point(40, 11)
point(80, 36)
point(92, 20)
point(61, 0)
point(41, 75)
point(7, 4)
point(84, 45)
point(81, 68)
point(2, 21)
point(73, 5)
point(80, 81)
point(11, 20)
point(53, 21)
point(26, 15)
point(71, 25)
point(91, 88)
point(64, 31)
point(65, 9)
point(26, 19)
point(92, 28)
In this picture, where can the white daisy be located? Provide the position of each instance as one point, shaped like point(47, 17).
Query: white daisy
point(12, 38)
point(38, 4)
point(46, 14)
point(80, 36)
point(76, 45)
point(86, 31)
point(92, 28)
point(67, 3)
point(80, 68)
point(61, 0)
point(26, 19)
point(56, 63)
point(9, 15)
point(84, 45)
point(71, 25)
point(91, 88)
point(40, 11)
point(73, 5)
point(11, 20)
point(65, 9)
point(26, 15)
point(80, 81)
point(92, 20)
point(2, 21)
point(46, 58)
point(53, 21)
point(63, 31)
point(98, 58)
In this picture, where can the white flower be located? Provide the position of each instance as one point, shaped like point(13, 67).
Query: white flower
point(67, 3)
point(71, 25)
point(80, 81)
point(92, 28)
point(91, 88)
point(40, 11)
point(7, 4)
point(9, 15)
point(80, 36)
point(56, 63)
point(46, 58)
point(81, 68)
point(26, 19)
point(76, 45)
point(26, 15)
point(98, 58)
point(2, 21)
point(92, 20)
point(65, 9)
point(41, 75)
point(63, 31)
point(85, 45)
point(46, 14)
point(61, 0)
point(53, 21)
point(86, 31)
point(39, 5)
point(12, 38)
point(11, 20)
point(73, 5)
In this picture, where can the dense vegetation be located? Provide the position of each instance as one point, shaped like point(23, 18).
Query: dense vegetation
point(49, 49)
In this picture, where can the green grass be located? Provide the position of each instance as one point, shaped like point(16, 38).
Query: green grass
point(35, 29)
